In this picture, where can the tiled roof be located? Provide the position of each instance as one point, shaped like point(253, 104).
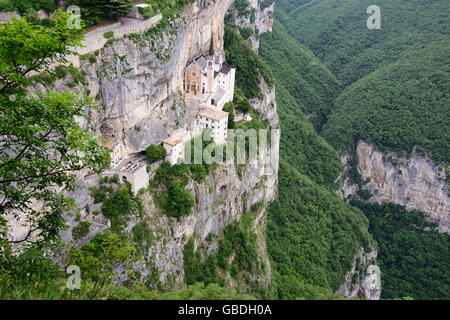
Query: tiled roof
point(109, 144)
point(224, 70)
point(213, 114)
point(202, 62)
point(173, 140)
point(226, 65)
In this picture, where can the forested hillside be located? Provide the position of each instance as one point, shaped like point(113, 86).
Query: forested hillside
point(396, 79)
point(389, 87)
point(312, 234)
point(413, 257)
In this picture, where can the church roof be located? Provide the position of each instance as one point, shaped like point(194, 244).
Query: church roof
point(224, 70)
point(202, 62)
point(229, 66)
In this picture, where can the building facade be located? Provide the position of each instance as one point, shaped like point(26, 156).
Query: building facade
point(116, 154)
point(216, 121)
point(174, 146)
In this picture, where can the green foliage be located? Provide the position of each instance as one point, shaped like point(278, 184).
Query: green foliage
point(155, 153)
point(174, 200)
point(179, 201)
point(246, 32)
point(31, 274)
point(142, 235)
point(395, 83)
point(414, 262)
point(119, 205)
point(28, 9)
point(396, 79)
point(90, 57)
point(241, 103)
point(399, 106)
point(312, 235)
point(300, 145)
point(242, 7)
point(146, 12)
point(48, 78)
point(94, 11)
point(240, 241)
point(45, 141)
point(195, 270)
point(109, 34)
point(26, 273)
point(81, 230)
point(263, 4)
point(312, 86)
point(100, 258)
point(338, 36)
point(250, 68)
point(228, 107)
point(22, 6)
point(199, 291)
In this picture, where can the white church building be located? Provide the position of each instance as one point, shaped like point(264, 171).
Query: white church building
point(210, 80)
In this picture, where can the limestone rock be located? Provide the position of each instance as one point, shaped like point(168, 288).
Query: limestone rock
point(364, 279)
point(414, 182)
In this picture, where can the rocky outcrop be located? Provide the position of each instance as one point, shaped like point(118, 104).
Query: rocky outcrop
point(6, 16)
point(259, 17)
point(221, 200)
point(414, 182)
point(364, 279)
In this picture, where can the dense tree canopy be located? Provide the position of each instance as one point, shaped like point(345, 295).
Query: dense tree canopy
point(413, 256)
point(312, 234)
point(396, 79)
point(389, 87)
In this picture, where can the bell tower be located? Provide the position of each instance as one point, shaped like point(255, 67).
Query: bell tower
point(210, 72)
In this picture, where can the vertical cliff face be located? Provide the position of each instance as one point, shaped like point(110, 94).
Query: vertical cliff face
point(138, 83)
point(138, 78)
point(414, 182)
point(258, 17)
